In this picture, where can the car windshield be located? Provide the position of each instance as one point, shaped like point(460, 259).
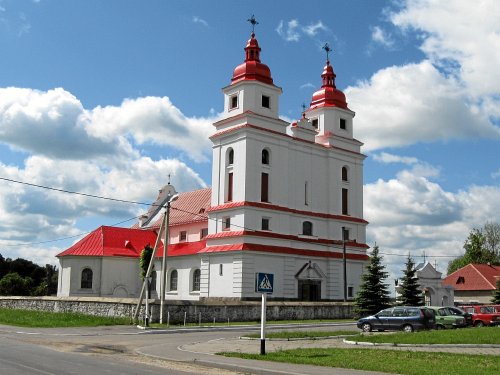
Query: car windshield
point(455, 311)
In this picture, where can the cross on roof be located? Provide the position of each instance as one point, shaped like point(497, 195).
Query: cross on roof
point(327, 48)
point(253, 21)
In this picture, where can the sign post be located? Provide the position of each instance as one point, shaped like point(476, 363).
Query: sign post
point(264, 283)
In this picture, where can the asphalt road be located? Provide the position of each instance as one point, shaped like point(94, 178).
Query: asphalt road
point(128, 350)
point(22, 358)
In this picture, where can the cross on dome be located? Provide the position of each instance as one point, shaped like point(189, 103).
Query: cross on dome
point(254, 22)
point(327, 48)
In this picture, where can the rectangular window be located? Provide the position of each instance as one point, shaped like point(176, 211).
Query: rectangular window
point(230, 187)
point(350, 291)
point(306, 193)
point(220, 270)
point(345, 200)
point(345, 234)
point(266, 101)
point(204, 233)
point(182, 236)
point(342, 124)
point(233, 102)
point(264, 187)
point(265, 223)
point(315, 123)
point(226, 223)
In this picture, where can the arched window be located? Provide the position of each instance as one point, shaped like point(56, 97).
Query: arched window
point(345, 175)
point(196, 280)
point(86, 282)
point(307, 228)
point(173, 280)
point(230, 157)
point(265, 157)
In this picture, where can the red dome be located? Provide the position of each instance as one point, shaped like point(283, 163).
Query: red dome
point(328, 95)
point(252, 68)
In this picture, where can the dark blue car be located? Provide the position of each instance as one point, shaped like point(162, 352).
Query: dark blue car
point(406, 318)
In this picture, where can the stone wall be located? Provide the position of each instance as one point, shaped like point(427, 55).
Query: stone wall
point(176, 311)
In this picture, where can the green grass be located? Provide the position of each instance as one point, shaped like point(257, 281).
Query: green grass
point(287, 335)
point(392, 361)
point(484, 335)
point(44, 319)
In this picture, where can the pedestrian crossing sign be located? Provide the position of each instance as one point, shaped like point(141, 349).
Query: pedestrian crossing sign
point(264, 282)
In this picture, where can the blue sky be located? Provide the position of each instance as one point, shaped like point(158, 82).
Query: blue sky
point(108, 97)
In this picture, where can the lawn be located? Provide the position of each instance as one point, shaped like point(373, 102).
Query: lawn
point(290, 335)
point(44, 319)
point(484, 336)
point(391, 361)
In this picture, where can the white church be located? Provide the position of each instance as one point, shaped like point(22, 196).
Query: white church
point(286, 199)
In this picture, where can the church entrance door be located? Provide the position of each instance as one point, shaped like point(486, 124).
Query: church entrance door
point(309, 290)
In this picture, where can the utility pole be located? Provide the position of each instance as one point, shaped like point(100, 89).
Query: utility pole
point(163, 280)
point(344, 258)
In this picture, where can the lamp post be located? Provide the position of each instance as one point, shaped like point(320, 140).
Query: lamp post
point(163, 280)
point(344, 259)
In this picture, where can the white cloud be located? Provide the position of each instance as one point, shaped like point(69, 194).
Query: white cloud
point(290, 32)
point(54, 123)
point(414, 103)
point(410, 214)
point(293, 30)
point(387, 158)
point(307, 85)
point(152, 120)
point(465, 33)
point(380, 36)
point(201, 21)
point(313, 29)
point(90, 151)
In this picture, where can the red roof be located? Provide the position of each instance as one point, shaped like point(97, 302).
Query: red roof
point(252, 68)
point(190, 207)
point(328, 95)
point(474, 277)
point(112, 241)
point(126, 242)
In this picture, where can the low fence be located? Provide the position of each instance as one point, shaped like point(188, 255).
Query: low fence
point(184, 311)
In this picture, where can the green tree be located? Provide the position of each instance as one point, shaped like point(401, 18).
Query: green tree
point(409, 291)
point(144, 260)
point(496, 293)
point(14, 285)
point(373, 295)
point(476, 250)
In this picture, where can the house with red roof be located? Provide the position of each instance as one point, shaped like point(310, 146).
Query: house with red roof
point(474, 283)
point(286, 200)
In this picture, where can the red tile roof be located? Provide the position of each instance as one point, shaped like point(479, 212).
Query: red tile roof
point(112, 241)
point(474, 277)
point(190, 207)
point(126, 242)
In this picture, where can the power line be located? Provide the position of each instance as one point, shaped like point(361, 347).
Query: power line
point(151, 204)
point(73, 192)
point(64, 238)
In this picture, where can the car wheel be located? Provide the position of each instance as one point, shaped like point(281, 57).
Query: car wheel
point(408, 328)
point(439, 326)
point(366, 327)
point(479, 323)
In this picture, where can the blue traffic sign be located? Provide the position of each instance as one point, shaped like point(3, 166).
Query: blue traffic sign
point(264, 282)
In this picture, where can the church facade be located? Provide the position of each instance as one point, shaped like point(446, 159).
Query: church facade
point(286, 199)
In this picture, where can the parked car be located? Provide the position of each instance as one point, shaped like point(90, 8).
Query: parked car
point(446, 319)
point(459, 312)
point(483, 315)
point(406, 318)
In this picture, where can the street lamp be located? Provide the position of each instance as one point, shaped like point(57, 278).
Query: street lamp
point(170, 199)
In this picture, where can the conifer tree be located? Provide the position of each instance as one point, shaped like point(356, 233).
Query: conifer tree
point(373, 295)
point(496, 294)
point(410, 293)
